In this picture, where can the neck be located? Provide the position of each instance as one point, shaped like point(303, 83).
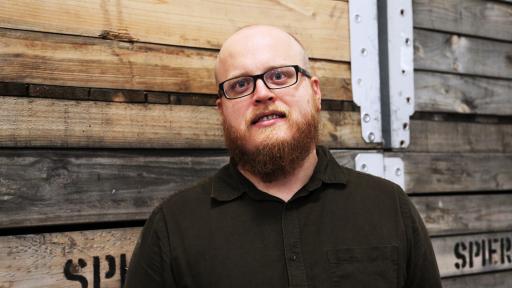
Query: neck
point(286, 187)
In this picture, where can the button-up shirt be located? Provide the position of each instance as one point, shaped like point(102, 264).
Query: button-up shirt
point(342, 229)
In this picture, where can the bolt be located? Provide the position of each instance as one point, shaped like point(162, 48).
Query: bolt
point(371, 137)
point(366, 118)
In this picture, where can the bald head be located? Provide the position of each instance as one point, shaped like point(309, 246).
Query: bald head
point(254, 49)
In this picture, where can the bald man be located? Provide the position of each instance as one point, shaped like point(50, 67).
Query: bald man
point(283, 212)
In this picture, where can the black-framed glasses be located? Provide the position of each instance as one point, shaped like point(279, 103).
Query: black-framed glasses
point(275, 78)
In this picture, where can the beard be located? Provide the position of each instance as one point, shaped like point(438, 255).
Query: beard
point(274, 159)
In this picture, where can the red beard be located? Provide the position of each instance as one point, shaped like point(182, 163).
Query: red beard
point(276, 158)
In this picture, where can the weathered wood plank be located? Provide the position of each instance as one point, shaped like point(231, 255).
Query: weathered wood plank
point(452, 53)
point(444, 136)
point(456, 172)
point(459, 255)
point(69, 259)
point(46, 187)
point(456, 214)
point(32, 122)
point(321, 25)
point(42, 58)
point(500, 279)
point(436, 92)
point(52, 259)
point(489, 19)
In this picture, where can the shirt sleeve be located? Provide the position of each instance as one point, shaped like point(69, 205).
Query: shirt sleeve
point(421, 270)
point(150, 264)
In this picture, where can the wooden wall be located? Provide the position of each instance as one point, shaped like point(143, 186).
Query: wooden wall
point(107, 108)
point(463, 82)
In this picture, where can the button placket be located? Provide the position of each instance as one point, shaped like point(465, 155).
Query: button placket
point(292, 247)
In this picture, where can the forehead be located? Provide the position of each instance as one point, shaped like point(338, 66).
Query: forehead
point(254, 50)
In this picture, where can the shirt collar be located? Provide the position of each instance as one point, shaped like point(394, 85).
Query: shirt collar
point(229, 184)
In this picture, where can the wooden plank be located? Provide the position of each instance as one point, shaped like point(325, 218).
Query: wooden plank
point(456, 54)
point(444, 136)
point(48, 187)
point(500, 279)
point(322, 26)
point(436, 92)
point(468, 254)
point(59, 259)
point(456, 172)
point(42, 58)
point(32, 122)
point(489, 19)
point(69, 259)
point(456, 214)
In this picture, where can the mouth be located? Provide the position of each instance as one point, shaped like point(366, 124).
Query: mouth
point(267, 116)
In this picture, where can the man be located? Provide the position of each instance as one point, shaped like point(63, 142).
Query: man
point(282, 213)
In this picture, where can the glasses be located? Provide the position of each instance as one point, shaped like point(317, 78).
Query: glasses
point(275, 78)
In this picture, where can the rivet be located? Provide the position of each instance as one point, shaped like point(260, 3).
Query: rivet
point(398, 172)
point(371, 137)
point(403, 72)
point(357, 18)
point(366, 118)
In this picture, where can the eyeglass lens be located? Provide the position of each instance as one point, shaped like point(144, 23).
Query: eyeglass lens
point(274, 79)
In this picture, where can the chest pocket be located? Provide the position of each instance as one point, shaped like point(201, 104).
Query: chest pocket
point(364, 267)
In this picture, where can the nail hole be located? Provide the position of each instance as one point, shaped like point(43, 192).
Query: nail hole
point(359, 81)
point(364, 52)
point(402, 143)
point(407, 41)
point(403, 72)
point(402, 12)
point(405, 125)
point(408, 99)
point(358, 18)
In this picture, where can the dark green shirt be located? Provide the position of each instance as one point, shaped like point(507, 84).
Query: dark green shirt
point(342, 229)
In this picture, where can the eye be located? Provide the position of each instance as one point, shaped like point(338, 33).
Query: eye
point(239, 85)
point(280, 76)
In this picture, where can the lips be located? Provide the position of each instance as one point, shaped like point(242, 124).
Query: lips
point(267, 116)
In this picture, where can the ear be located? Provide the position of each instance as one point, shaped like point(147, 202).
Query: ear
point(317, 94)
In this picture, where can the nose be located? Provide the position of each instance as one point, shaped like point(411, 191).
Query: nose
point(262, 93)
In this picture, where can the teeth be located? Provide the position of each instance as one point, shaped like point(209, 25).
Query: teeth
point(269, 117)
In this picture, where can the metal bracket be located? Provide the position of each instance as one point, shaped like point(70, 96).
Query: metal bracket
point(364, 51)
point(397, 70)
point(390, 168)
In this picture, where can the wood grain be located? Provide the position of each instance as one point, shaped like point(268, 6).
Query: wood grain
point(47, 187)
point(32, 122)
point(458, 214)
point(437, 92)
point(456, 172)
point(469, 254)
point(33, 261)
point(457, 54)
point(489, 19)
point(500, 279)
point(42, 58)
point(445, 136)
point(322, 26)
